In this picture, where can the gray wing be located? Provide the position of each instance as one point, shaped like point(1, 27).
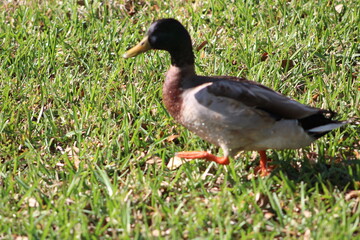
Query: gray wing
point(257, 96)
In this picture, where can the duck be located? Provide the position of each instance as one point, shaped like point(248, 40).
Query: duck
point(232, 113)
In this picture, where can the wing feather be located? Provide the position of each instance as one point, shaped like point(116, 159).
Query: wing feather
point(260, 97)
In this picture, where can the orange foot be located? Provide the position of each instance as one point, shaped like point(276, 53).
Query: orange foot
point(205, 155)
point(263, 170)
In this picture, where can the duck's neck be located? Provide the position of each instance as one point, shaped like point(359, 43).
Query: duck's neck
point(182, 58)
point(177, 80)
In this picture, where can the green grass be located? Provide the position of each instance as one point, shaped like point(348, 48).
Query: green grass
point(79, 125)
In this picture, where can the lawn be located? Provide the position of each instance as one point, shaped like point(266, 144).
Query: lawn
point(85, 139)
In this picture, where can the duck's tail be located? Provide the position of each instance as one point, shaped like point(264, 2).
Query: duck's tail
point(319, 124)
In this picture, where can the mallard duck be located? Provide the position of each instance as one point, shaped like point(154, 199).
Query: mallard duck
point(233, 113)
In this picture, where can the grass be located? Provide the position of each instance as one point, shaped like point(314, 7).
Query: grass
point(84, 137)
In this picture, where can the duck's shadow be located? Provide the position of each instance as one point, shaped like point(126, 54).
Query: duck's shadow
point(342, 175)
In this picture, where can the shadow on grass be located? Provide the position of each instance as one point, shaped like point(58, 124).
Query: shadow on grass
point(343, 175)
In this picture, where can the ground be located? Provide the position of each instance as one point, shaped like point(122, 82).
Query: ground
point(85, 139)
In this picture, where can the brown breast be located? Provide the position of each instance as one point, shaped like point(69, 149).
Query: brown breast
point(176, 79)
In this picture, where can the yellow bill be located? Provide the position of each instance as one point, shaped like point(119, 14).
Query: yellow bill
point(141, 47)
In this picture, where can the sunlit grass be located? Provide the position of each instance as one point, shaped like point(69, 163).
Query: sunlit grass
point(84, 136)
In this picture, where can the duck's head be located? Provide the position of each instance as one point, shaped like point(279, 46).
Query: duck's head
point(166, 34)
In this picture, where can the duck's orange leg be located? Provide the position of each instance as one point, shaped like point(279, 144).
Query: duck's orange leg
point(204, 155)
point(263, 169)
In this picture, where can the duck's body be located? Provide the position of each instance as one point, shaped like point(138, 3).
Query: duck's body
point(212, 108)
point(233, 113)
